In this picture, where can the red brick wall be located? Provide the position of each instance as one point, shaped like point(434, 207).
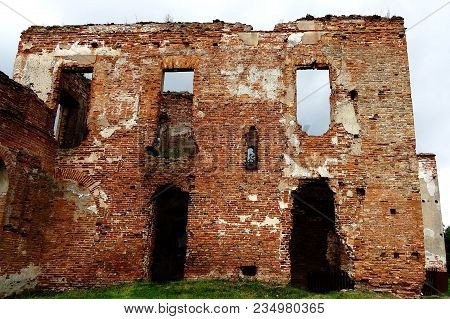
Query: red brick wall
point(42, 234)
point(236, 217)
point(27, 149)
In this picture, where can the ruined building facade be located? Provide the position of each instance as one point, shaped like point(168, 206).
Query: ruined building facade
point(107, 178)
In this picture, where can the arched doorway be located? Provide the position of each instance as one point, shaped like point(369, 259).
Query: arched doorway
point(169, 252)
point(4, 185)
point(314, 245)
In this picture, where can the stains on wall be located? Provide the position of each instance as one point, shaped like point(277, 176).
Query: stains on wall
point(236, 218)
point(4, 186)
point(258, 84)
point(435, 258)
point(345, 115)
point(16, 283)
point(174, 136)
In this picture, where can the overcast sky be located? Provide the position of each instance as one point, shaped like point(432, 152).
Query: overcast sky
point(428, 43)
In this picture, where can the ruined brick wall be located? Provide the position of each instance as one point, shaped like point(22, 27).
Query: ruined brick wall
point(4, 186)
point(42, 203)
point(236, 217)
point(27, 153)
point(435, 258)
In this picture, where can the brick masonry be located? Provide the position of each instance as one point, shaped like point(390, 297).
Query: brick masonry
point(89, 220)
point(432, 216)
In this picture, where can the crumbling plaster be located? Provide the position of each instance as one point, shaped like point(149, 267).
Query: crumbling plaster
point(26, 279)
point(38, 70)
point(435, 257)
point(242, 78)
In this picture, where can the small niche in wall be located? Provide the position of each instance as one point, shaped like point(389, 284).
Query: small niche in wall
point(251, 157)
point(393, 211)
point(249, 271)
point(361, 191)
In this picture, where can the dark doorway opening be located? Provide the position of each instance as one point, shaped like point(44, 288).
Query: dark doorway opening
point(314, 246)
point(169, 252)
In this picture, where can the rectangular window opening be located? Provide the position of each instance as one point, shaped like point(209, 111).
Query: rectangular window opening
point(313, 100)
point(70, 125)
point(178, 81)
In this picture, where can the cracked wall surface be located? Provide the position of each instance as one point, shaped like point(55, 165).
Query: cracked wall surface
point(236, 217)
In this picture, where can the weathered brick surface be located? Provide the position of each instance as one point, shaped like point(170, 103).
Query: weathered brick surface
point(27, 151)
point(432, 217)
point(99, 228)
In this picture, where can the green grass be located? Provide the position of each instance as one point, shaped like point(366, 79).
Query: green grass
point(203, 289)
